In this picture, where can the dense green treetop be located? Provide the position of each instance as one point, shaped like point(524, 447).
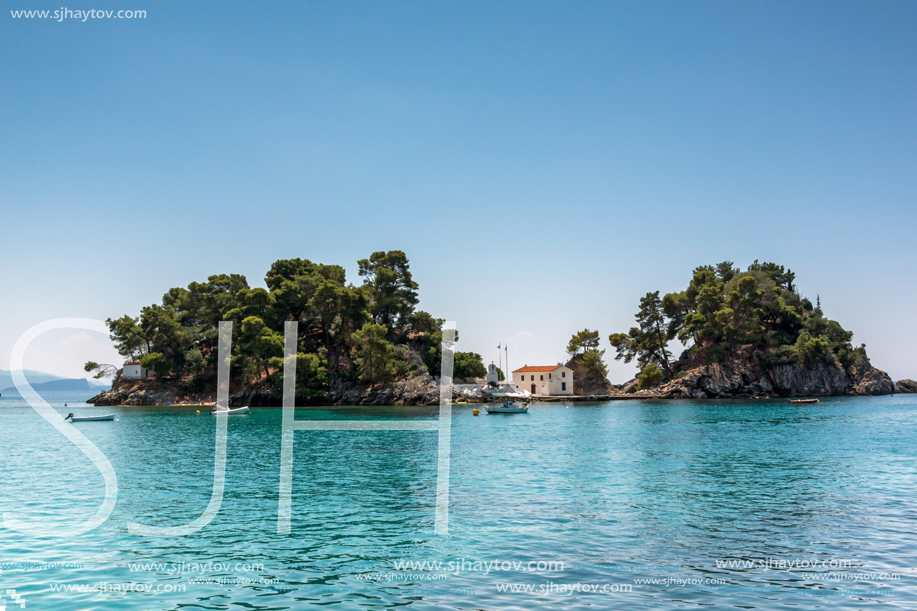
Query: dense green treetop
point(346, 332)
point(582, 341)
point(468, 365)
point(391, 289)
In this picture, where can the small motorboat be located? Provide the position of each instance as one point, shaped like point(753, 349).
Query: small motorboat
point(802, 401)
point(237, 411)
point(507, 407)
point(105, 418)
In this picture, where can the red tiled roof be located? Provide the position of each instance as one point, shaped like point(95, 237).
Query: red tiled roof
point(133, 363)
point(535, 368)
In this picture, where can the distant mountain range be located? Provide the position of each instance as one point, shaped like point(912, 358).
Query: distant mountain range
point(49, 382)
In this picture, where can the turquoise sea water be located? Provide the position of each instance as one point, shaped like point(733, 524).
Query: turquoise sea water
point(620, 493)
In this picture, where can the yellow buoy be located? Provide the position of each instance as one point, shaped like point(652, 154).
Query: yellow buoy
point(476, 412)
point(199, 411)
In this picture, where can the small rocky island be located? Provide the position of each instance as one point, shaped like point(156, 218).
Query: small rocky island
point(747, 373)
point(745, 334)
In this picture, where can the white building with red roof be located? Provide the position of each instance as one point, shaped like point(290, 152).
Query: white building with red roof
point(544, 379)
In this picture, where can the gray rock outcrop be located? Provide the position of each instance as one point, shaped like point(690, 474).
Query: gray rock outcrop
point(873, 382)
point(746, 375)
point(587, 382)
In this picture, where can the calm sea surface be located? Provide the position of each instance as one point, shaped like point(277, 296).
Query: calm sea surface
point(625, 505)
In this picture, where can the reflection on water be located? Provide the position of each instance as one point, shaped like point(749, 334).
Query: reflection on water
point(655, 505)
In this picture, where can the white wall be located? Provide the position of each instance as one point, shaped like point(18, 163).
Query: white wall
point(135, 372)
point(131, 372)
point(560, 377)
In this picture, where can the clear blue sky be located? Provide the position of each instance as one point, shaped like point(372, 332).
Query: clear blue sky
point(581, 153)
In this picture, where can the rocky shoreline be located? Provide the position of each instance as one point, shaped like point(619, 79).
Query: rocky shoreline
point(420, 389)
point(744, 379)
point(747, 376)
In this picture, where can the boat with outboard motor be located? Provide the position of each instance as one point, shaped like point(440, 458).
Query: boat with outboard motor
point(508, 406)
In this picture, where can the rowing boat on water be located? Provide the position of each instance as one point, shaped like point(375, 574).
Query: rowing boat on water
point(238, 411)
point(73, 418)
point(802, 401)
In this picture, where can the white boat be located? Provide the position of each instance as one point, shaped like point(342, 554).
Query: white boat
point(507, 407)
point(237, 411)
point(73, 418)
